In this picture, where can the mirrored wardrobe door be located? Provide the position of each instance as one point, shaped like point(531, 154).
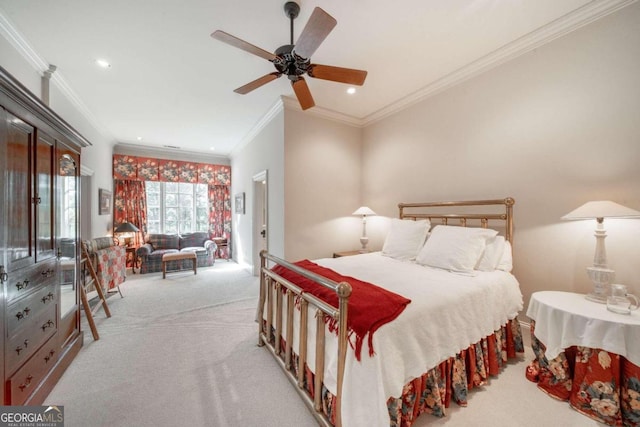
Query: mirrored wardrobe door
point(67, 199)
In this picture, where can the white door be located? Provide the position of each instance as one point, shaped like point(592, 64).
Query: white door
point(260, 218)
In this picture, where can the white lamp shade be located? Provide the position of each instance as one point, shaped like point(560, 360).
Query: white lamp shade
point(363, 210)
point(602, 209)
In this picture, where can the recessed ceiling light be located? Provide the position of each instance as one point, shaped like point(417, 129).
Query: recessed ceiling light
point(212, 148)
point(103, 63)
point(139, 138)
point(351, 90)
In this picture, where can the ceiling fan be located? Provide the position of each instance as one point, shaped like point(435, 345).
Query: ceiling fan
point(294, 60)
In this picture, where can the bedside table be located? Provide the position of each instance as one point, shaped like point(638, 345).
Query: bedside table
point(345, 253)
point(580, 346)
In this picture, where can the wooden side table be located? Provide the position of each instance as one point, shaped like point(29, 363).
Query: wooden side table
point(345, 253)
point(134, 258)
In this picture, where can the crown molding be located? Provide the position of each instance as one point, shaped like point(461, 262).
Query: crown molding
point(38, 63)
point(580, 17)
point(86, 171)
point(271, 113)
point(325, 113)
point(129, 149)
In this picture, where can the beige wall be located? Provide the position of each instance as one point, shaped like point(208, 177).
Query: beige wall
point(322, 187)
point(264, 152)
point(554, 128)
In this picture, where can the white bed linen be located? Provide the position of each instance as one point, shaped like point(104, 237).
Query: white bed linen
point(448, 313)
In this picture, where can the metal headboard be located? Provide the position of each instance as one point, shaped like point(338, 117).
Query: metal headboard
point(424, 211)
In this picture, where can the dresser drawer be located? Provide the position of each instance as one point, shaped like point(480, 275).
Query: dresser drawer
point(26, 380)
point(24, 312)
point(21, 346)
point(26, 280)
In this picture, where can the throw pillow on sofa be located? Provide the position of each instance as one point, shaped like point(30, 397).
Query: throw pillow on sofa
point(193, 240)
point(164, 241)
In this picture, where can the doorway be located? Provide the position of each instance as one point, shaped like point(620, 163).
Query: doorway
point(260, 218)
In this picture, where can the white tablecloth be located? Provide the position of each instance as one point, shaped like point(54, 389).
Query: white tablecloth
point(565, 319)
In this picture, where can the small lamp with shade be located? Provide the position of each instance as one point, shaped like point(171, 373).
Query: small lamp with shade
point(600, 274)
point(364, 212)
point(127, 231)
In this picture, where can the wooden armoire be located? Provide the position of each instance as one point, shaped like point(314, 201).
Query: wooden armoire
point(39, 244)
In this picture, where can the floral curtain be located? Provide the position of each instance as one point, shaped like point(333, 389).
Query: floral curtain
point(220, 211)
point(130, 205)
point(139, 169)
point(149, 169)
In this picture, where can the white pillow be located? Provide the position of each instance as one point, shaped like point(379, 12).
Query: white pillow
point(405, 238)
point(506, 262)
point(455, 248)
point(492, 254)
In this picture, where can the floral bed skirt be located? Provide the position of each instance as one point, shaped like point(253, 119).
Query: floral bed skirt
point(599, 384)
point(433, 391)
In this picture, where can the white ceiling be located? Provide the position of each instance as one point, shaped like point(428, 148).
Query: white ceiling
point(172, 84)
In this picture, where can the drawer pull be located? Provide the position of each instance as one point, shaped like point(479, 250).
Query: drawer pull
point(24, 313)
point(47, 297)
point(47, 325)
point(26, 383)
point(49, 356)
point(22, 285)
point(19, 349)
point(48, 272)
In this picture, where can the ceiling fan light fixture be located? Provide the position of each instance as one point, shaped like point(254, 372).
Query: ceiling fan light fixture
point(294, 60)
point(103, 63)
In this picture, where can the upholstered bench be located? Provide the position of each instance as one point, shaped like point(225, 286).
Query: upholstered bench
point(177, 256)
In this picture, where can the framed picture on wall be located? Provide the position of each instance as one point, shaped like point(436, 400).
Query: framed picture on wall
point(240, 203)
point(104, 202)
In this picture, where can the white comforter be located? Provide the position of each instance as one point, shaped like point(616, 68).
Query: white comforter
point(448, 313)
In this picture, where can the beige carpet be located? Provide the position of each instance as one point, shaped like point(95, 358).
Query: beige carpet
point(182, 352)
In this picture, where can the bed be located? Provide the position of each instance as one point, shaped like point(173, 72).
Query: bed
point(445, 320)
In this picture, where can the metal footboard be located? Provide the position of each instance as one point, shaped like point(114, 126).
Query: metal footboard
point(271, 286)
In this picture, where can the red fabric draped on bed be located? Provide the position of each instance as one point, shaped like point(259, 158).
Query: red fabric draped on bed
point(369, 307)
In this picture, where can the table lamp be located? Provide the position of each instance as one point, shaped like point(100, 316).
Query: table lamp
point(127, 229)
point(600, 274)
point(364, 211)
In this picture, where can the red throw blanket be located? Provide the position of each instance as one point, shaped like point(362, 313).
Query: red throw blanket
point(369, 307)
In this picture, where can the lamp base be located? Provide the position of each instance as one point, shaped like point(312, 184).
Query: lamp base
point(363, 241)
point(601, 277)
point(599, 298)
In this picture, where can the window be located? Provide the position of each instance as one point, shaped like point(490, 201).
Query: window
point(177, 207)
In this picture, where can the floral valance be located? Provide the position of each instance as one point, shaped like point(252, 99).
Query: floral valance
point(149, 169)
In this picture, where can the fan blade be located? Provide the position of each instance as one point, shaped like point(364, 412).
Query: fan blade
point(241, 44)
point(303, 93)
point(337, 74)
point(243, 90)
point(317, 29)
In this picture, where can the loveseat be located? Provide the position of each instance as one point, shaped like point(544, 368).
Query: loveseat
point(109, 260)
point(156, 245)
